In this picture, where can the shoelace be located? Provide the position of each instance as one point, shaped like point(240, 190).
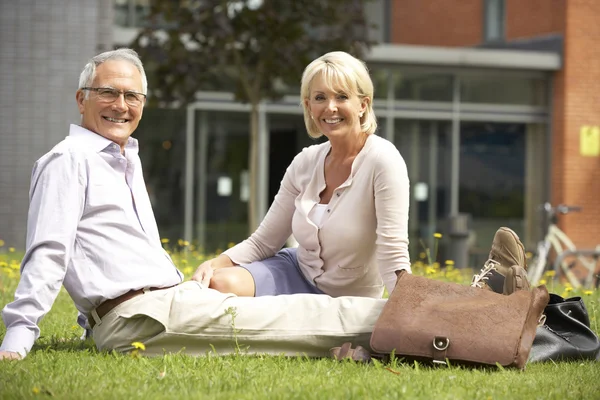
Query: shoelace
point(480, 278)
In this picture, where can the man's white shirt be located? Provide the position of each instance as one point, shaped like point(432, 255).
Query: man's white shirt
point(90, 228)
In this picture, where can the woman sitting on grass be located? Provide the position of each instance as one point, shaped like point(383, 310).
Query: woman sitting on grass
point(346, 202)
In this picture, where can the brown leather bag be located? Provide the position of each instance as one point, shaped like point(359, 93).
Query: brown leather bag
point(431, 320)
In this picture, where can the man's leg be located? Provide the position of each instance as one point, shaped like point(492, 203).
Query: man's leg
point(200, 321)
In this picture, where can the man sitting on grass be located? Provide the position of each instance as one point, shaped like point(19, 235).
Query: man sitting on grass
point(91, 228)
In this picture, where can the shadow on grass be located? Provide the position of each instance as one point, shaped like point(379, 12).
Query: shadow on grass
point(62, 344)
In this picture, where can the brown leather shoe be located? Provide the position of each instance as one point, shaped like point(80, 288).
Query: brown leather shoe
point(509, 264)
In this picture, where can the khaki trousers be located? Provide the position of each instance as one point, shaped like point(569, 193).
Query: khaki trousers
point(198, 321)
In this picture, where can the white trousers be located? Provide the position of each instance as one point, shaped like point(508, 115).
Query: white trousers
point(198, 321)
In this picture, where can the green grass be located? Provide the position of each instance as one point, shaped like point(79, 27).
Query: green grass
point(63, 367)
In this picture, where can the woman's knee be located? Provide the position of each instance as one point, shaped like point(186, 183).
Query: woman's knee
point(234, 280)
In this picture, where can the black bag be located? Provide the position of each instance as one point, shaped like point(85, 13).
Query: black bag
point(566, 334)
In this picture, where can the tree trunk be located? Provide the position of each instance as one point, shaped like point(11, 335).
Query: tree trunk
point(253, 211)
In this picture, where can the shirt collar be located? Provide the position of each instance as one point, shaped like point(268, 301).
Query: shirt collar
point(95, 142)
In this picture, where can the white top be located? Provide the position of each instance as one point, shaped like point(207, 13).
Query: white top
point(90, 228)
point(317, 213)
point(363, 236)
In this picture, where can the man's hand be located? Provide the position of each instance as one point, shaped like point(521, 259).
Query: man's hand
point(204, 273)
point(9, 355)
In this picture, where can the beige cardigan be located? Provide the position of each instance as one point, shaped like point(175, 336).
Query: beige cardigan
point(364, 233)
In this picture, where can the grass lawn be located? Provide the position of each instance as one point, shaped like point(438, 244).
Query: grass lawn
point(64, 367)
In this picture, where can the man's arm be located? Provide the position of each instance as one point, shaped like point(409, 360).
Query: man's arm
point(57, 198)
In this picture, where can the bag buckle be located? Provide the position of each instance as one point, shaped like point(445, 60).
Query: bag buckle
point(441, 343)
point(542, 320)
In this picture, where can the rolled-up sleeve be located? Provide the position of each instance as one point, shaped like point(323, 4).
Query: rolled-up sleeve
point(392, 199)
point(57, 197)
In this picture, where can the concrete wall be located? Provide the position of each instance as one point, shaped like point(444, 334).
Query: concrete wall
point(44, 44)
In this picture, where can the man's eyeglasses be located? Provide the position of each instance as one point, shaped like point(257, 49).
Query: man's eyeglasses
point(109, 95)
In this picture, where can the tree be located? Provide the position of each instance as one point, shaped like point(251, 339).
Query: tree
point(259, 45)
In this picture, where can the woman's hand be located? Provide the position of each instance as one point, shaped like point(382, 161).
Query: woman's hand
point(205, 271)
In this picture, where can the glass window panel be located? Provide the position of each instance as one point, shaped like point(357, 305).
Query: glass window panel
point(162, 150)
point(492, 178)
point(424, 86)
point(503, 90)
point(121, 9)
point(226, 217)
point(494, 20)
point(425, 147)
point(380, 78)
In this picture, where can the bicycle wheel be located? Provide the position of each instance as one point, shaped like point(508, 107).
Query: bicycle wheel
point(578, 267)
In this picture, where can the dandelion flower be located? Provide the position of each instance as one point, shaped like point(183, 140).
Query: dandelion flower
point(542, 281)
point(139, 345)
point(588, 292)
point(164, 240)
point(36, 390)
point(550, 273)
point(437, 235)
point(568, 289)
point(1, 242)
point(11, 249)
point(449, 262)
point(186, 243)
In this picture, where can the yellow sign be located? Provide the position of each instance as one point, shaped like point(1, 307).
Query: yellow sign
point(589, 141)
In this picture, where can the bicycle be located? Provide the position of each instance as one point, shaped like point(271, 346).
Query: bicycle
point(567, 254)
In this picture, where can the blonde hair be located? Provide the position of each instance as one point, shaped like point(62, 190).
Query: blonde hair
point(341, 73)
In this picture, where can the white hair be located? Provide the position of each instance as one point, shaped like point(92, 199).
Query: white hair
point(89, 71)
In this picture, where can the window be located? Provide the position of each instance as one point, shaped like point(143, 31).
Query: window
point(493, 22)
point(131, 13)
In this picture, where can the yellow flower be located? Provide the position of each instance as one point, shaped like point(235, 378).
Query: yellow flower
point(550, 274)
point(11, 249)
point(588, 292)
point(568, 289)
point(186, 243)
point(188, 270)
point(35, 390)
point(1, 242)
point(180, 242)
point(164, 240)
point(139, 345)
point(184, 261)
point(542, 281)
point(449, 262)
point(422, 255)
point(437, 235)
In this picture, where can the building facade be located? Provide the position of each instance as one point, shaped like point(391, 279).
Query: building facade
point(491, 103)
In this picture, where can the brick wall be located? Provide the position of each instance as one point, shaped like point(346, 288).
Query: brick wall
point(43, 47)
point(528, 18)
point(575, 178)
point(437, 22)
